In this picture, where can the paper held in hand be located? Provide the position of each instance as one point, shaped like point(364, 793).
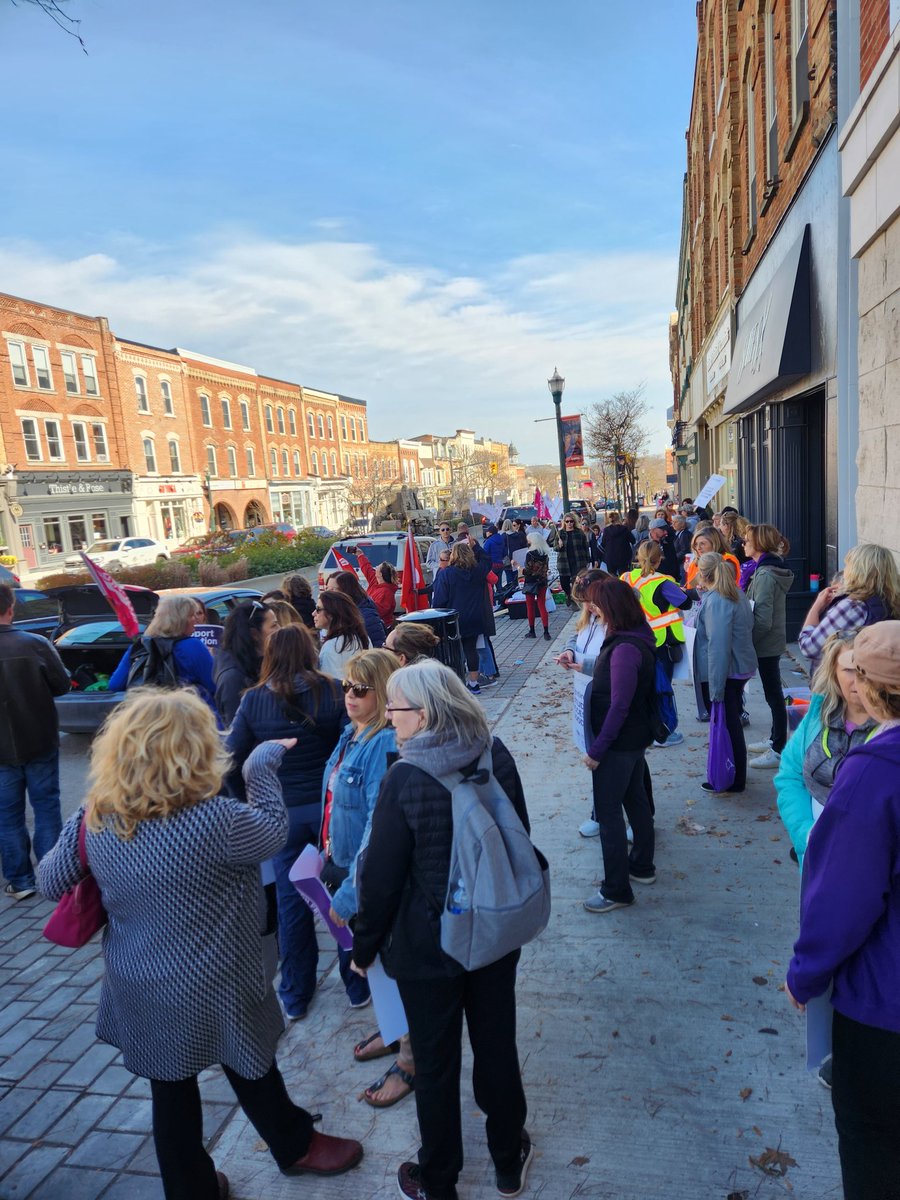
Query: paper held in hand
point(709, 489)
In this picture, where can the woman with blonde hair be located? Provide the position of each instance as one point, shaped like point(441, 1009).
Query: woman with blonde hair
point(767, 591)
point(868, 593)
point(349, 789)
point(177, 864)
point(412, 641)
point(167, 655)
point(724, 658)
point(294, 698)
point(707, 540)
point(536, 572)
point(285, 613)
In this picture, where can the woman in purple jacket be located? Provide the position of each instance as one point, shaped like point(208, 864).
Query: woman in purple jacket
point(850, 929)
point(623, 697)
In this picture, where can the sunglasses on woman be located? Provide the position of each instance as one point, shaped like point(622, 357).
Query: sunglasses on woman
point(318, 608)
point(358, 689)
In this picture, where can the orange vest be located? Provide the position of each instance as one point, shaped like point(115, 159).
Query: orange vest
point(691, 570)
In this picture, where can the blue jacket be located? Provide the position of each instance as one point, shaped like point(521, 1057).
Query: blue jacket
point(356, 789)
point(464, 590)
point(373, 623)
point(193, 662)
point(723, 647)
point(850, 912)
point(494, 547)
point(262, 716)
point(794, 801)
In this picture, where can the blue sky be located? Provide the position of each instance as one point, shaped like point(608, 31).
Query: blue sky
point(427, 205)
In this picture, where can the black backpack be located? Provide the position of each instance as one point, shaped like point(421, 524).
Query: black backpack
point(153, 664)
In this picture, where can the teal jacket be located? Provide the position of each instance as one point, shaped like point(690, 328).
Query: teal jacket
point(794, 801)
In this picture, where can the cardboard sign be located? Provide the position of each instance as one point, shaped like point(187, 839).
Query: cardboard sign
point(709, 489)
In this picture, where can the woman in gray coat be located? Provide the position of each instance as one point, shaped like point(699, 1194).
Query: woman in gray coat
point(724, 658)
point(186, 986)
point(767, 590)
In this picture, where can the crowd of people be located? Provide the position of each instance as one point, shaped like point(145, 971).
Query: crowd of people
point(322, 723)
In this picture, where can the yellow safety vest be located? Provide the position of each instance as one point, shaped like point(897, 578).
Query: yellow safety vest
point(658, 620)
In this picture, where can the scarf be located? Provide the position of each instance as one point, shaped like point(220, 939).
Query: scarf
point(441, 756)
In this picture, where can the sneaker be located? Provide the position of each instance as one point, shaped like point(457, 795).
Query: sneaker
point(362, 1003)
point(589, 829)
point(824, 1072)
point(759, 747)
point(703, 718)
point(531, 633)
point(711, 791)
point(512, 1183)
point(766, 762)
point(547, 637)
point(409, 1184)
point(486, 681)
point(745, 717)
point(473, 687)
point(651, 878)
point(674, 739)
point(299, 1013)
point(15, 893)
point(600, 904)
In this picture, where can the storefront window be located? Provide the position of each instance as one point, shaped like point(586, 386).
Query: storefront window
point(174, 519)
point(98, 521)
point(78, 532)
point(52, 535)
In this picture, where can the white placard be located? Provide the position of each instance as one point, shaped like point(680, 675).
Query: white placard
point(581, 699)
point(685, 668)
point(709, 489)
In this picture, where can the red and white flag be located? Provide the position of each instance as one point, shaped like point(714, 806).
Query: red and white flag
point(540, 505)
point(343, 563)
point(116, 595)
point(413, 596)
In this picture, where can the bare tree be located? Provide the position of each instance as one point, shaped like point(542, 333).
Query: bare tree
point(370, 496)
point(546, 477)
point(52, 9)
point(615, 434)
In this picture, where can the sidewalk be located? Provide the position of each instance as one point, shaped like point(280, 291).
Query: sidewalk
point(659, 1054)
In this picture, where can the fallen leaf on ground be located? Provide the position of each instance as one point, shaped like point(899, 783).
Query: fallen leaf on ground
point(773, 1162)
point(580, 1160)
point(684, 824)
point(760, 980)
point(746, 1093)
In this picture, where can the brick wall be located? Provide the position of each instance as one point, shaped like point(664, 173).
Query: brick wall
point(874, 30)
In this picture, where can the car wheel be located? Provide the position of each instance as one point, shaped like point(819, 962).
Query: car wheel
point(160, 558)
point(114, 566)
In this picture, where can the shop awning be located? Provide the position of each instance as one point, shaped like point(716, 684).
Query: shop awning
point(772, 348)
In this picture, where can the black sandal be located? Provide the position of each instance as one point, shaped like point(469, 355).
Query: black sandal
point(387, 1049)
point(396, 1069)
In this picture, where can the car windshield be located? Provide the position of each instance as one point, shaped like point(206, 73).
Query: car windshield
point(376, 553)
point(95, 633)
point(102, 547)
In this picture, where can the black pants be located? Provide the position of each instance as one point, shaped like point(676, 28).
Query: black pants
point(565, 582)
point(434, 1008)
point(770, 677)
point(187, 1170)
point(866, 1103)
point(470, 650)
point(734, 692)
point(619, 782)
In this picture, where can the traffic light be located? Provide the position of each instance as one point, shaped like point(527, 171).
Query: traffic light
point(494, 467)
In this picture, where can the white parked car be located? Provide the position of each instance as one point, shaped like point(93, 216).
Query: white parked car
point(113, 553)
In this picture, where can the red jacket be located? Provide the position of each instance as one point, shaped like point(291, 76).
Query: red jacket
point(383, 595)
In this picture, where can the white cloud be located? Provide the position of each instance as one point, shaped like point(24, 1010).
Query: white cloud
point(428, 350)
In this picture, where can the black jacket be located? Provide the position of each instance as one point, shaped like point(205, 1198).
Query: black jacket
point(409, 850)
point(616, 548)
point(31, 674)
point(231, 681)
point(669, 564)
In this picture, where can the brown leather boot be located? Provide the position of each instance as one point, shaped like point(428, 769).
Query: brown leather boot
point(327, 1155)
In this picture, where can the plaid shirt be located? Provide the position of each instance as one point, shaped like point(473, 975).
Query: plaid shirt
point(846, 615)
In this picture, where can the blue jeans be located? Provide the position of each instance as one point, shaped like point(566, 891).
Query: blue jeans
point(40, 779)
point(356, 986)
point(298, 949)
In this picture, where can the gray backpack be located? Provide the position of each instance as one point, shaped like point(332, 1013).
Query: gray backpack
point(498, 895)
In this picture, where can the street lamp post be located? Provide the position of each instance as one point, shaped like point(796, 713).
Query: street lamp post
point(556, 384)
point(208, 489)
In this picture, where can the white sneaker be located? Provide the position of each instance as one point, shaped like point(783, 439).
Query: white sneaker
point(766, 762)
point(589, 829)
point(760, 747)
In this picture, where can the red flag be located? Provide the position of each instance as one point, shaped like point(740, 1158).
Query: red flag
point(412, 589)
point(540, 505)
point(343, 563)
point(116, 595)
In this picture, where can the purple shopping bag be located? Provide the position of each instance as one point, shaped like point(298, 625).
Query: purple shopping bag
point(720, 762)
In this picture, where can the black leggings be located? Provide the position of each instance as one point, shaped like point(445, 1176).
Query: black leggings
point(770, 678)
point(187, 1171)
point(470, 650)
point(734, 690)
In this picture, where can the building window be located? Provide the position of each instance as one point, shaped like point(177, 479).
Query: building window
point(356, 465)
point(54, 441)
point(315, 463)
point(352, 429)
point(140, 388)
point(70, 372)
point(41, 360)
point(232, 461)
point(226, 411)
point(771, 98)
point(150, 456)
point(346, 464)
point(245, 416)
point(799, 56)
point(292, 422)
point(211, 461)
point(752, 210)
point(174, 457)
point(324, 462)
point(311, 424)
point(362, 432)
point(273, 461)
point(19, 364)
point(32, 439)
point(285, 463)
point(79, 433)
point(205, 415)
point(330, 427)
point(280, 415)
point(251, 461)
point(297, 470)
point(333, 463)
point(270, 426)
point(101, 450)
point(343, 426)
point(321, 423)
point(89, 370)
point(166, 391)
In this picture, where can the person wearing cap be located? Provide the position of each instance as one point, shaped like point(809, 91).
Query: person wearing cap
point(661, 533)
point(850, 928)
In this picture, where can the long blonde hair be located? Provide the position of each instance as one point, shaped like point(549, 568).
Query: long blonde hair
point(649, 557)
point(374, 668)
point(462, 556)
point(825, 680)
point(870, 570)
point(718, 575)
point(158, 752)
point(171, 617)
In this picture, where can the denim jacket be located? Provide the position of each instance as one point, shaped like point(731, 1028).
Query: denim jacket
point(355, 791)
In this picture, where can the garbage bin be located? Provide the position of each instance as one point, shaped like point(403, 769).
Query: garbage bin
point(445, 623)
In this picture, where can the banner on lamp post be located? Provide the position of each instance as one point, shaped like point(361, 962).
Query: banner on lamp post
point(573, 443)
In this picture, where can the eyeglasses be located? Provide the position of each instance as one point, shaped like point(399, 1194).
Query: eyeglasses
point(445, 529)
point(392, 708)
point(358, 689)
point(318, 608)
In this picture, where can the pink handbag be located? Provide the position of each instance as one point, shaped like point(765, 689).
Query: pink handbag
point(80, 912)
